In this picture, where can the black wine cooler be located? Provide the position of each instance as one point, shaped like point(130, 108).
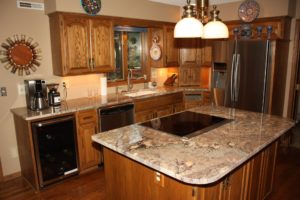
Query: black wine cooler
point(55, 149)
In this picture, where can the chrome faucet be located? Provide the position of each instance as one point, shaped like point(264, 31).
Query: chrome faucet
point(129, 79)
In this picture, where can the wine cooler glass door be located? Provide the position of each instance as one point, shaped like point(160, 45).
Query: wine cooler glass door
point(55, 149)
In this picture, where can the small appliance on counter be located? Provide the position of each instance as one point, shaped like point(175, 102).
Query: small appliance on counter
point(36, 94)
point(53, 95)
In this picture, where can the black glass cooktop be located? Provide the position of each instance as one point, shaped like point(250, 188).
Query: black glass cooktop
point(187, 123)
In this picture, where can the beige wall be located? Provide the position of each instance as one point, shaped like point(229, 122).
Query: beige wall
point(35, 24)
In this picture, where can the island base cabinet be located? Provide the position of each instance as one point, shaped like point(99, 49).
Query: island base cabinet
point(127, 179)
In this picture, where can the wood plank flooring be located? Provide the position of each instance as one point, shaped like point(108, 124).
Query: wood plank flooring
point(91, 186)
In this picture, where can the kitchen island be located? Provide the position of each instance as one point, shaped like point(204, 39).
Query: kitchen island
point(233, 161)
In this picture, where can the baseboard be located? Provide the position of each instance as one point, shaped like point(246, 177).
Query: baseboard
point(11, 176)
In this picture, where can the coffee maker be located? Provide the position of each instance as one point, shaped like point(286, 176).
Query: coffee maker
point(36, 94)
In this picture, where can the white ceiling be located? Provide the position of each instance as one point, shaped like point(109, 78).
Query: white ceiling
point(183, 2)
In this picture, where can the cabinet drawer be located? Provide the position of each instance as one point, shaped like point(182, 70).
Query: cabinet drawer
point(154, 102)
point(87, 116)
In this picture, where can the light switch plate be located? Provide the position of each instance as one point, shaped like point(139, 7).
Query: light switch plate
point(3, 91)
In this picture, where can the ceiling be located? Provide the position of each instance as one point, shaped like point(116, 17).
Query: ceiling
point(183, 2)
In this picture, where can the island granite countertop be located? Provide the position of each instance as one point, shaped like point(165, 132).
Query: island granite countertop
point(202, 159)
point(75, 105)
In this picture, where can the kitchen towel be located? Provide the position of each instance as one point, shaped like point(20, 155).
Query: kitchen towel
point(103, 86)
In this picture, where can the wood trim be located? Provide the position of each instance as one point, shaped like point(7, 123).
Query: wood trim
point(122, 21)
point(1, 172)
point(294, 71)
point(11, 176)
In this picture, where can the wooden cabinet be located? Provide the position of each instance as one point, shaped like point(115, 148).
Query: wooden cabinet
point(196, 98)
point(158, 106)
point(250, 181)
point(195, 51)
point(189, 76)
point(195, 54)
point(170, 47)
point(89, 155)
point(80, 44)
point(167, 43)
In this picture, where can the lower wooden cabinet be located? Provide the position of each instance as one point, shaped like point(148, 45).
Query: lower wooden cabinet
point(196, 98)
point(89, 154)
point(126, 180)
point(158, 106)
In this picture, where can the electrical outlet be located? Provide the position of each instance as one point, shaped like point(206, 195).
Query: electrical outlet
point(65, 83)
point(21, 89)
point(3, 91)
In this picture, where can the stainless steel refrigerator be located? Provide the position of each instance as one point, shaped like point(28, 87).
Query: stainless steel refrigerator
point(241, 74)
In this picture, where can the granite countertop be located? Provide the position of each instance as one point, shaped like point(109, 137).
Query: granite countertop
point(202, 159)
point(74, 105)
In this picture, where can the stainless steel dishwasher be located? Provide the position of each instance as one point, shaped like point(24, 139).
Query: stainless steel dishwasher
point(116, 116)
point(113, 117)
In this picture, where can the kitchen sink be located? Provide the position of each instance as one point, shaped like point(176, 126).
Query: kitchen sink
point(140, 93)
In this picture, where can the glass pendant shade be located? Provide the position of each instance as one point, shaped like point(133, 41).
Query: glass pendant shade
point(189, 27)
point(215, 30)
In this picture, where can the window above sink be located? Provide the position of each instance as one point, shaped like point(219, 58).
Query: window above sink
point(130, 49)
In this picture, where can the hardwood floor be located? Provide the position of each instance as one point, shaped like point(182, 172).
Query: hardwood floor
point(91, 186)
point(287, 175)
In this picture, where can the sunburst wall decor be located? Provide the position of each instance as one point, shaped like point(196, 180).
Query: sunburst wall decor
point(20, 55)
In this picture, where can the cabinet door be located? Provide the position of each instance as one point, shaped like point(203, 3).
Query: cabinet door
point(267, 170)
point(205, 52)
point(188, 51)
point(194, 76)
point(102, 43)
point(76, 46)
point(178, 107)
point(89, 155)
point(233, 187)
point(171, 50)
point(163, 111)
point(143, 116)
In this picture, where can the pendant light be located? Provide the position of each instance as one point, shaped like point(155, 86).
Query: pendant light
point(190, 25)
point(215, 28)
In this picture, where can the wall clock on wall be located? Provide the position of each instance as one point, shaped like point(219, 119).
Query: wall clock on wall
point(91, 7)
point(155, 51)
point(20, 55)
point(249, 10)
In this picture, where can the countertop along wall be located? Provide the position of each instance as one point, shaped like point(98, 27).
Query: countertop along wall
point(35, 24)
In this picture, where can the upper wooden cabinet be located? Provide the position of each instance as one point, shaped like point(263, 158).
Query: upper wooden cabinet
point(170, 47)
point(81, 44)
point(195, 51)
point(168, 44)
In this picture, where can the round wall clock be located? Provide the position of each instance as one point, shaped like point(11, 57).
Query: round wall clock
point(91, 7)
point(248, 10)
point(155, 51)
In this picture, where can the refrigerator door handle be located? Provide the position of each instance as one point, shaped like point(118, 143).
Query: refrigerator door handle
point(232, 79)
point(236, 88)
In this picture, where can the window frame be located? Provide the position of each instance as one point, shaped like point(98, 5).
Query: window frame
point(144, 54)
